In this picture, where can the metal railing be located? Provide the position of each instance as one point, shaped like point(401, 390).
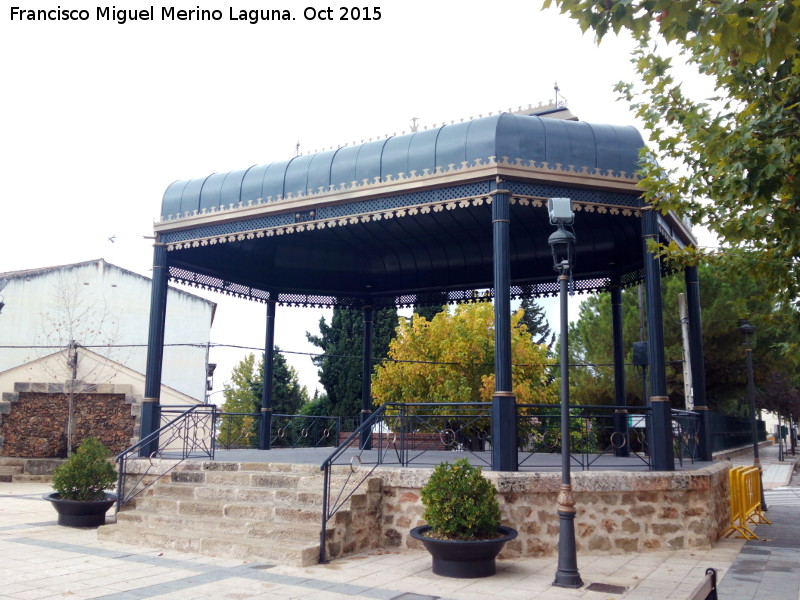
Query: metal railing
point(304, 431)
point(359, 455)
point(418, 433)
point(236, 431)
point(685, 434)
point(728, 431)
point(183, 434)
point(597, 432)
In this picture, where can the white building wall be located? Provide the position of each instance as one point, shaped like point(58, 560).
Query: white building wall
point(110, 306)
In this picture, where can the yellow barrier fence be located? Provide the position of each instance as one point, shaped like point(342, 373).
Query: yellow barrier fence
point(745, 497)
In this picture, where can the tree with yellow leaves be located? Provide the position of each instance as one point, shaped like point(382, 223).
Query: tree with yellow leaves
point(451, 359)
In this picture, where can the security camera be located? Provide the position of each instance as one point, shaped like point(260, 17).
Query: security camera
point(560, 211)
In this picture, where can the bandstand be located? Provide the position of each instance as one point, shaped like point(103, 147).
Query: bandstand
point(433, 216)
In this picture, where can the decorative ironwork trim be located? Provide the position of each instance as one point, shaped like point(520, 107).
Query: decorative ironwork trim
point(405, 211)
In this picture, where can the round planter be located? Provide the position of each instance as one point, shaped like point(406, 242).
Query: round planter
point(466, 559)
point(76, 513)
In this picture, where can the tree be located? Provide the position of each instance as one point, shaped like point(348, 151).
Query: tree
point(536, 322)
point(342, 344)
point(243, 395)
point(451, 359)
point(75, 321)
point(723, 300)
point(736, 154)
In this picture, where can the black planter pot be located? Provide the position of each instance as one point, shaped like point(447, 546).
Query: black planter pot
point(76, 513)
point(465, 559)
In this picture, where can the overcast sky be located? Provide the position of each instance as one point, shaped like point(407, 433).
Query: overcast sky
point(99, 118)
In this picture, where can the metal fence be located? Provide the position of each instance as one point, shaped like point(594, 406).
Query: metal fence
point(733, 432)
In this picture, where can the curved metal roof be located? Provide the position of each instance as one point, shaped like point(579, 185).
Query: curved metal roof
point(582, 145)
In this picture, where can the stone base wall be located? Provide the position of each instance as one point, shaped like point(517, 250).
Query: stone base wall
point(33, 420)
point(617, 512)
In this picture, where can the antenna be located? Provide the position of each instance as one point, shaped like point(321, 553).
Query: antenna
point(297, 148)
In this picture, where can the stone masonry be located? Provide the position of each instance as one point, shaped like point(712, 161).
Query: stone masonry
point(33, 419)
point(617, 512)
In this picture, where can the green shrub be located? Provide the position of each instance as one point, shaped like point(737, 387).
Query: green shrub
point(460, 504)
point(86, 473)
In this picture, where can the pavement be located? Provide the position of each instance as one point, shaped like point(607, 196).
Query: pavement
point(39, 559)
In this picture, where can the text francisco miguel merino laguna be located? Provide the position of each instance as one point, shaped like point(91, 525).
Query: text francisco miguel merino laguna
point(170, 13)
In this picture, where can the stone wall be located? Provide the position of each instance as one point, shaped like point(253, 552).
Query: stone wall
point(617, 511)
point(33, 420)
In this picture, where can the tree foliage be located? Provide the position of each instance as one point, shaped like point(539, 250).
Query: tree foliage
point(243, 392)
point(737, 152)
point(86, 474)
point(723, 300)
point(243, 395)
point(460, 503)
point(536, 322)
point(342, 344)
point(451, 359)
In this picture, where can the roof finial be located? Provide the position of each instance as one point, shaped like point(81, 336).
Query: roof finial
point(414, 124)
point(297, 148)
point(559, 103)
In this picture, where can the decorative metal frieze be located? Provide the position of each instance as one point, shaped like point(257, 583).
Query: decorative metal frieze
point(378, 185)
point(384, 215)
point(589, 207)
point(533, 290)
point(578, 195)
point(319, 224)
point(305, 216)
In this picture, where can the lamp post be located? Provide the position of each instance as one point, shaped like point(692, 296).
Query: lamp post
point(748, 333)
point(562, 245)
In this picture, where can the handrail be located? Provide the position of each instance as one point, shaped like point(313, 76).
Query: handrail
point(329, 509)
point(179, 430)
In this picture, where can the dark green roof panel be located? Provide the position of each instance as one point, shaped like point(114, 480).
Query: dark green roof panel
point(532, 138)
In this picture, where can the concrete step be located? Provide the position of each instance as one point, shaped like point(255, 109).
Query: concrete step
point(287, 551)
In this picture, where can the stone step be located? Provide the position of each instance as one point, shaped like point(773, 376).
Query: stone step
point(300, 481)
point(230, 526)
point(253, 511)
point(7, 469)
point(209, 493)
point(235, 510)
point(288, 551)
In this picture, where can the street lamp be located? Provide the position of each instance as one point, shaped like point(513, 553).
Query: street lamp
point(562, 245)
point(748, 335)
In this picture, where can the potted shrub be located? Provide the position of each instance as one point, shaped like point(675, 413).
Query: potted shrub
point(80, 498)
point(462, 531)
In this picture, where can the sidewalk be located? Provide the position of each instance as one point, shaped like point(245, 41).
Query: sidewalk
point(769, 568)
point(42, 560)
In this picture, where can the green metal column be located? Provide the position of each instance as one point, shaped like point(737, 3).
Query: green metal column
point(366, 378)
point(265, 428)
point(504, 407)
point(151, 411)
point(620, 438)
point(661, 451)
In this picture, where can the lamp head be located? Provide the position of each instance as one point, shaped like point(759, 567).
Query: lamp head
point(562, 245)
point(748, 332)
